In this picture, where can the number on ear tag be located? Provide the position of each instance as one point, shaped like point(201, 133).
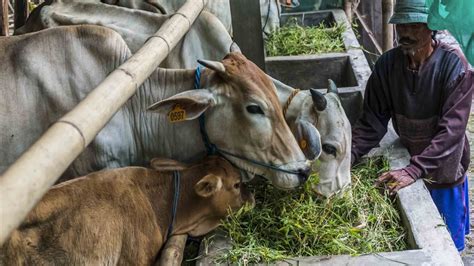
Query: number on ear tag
point(177, 114)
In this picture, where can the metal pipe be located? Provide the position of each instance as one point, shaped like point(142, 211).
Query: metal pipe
point(25, 182)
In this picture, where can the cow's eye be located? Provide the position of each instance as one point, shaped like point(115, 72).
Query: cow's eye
point(329, 149)
point(237, 185)
point(255, 109)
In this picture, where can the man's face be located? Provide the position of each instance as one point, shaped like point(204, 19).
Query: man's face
point(413, 36)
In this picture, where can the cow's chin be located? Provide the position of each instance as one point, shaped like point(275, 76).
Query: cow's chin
point(285, 181)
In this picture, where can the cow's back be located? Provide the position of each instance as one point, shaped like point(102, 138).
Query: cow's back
point(105, 218)
point(44, 75)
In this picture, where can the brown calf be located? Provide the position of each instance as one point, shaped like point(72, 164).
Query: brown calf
point(122, 216)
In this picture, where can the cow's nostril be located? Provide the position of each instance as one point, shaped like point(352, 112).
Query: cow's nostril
point(303, 174)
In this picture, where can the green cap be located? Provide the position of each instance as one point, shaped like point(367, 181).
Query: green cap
point(410, 11)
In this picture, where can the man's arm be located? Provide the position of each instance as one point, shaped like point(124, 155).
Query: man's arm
point(372, 126)
point(451, 129)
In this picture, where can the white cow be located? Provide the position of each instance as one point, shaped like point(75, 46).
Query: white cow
point(45, 74)
point(270, 10)
point(208, 38)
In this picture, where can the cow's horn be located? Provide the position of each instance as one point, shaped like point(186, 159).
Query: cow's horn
point(318, 99)
point(332, 87)
point(234, 48)
point(214, 65)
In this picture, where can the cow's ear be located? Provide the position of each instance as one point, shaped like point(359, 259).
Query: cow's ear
point(186, 105)
point(165, 164)
point(208, 185)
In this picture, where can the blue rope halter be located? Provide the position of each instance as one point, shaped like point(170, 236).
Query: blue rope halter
point(212, 149)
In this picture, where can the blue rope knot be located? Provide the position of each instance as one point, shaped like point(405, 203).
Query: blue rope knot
point(197, 78)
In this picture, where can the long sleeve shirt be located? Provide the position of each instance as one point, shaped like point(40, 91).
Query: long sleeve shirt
point(429, 109)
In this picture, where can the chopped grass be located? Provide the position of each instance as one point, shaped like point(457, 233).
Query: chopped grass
point(294, 39)
point(299, 223)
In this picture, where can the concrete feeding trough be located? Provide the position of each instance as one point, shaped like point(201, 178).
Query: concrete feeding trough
point(349, 70)
point(428, 238)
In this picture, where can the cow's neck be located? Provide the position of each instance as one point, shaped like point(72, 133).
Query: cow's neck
point(191, 211)
point(181, 141)
point(194, 213)
point(295, 105)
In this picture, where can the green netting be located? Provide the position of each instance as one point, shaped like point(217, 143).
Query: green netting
point(456, 16)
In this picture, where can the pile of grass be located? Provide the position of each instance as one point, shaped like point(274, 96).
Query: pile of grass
point(293, 39)
point(299, 223)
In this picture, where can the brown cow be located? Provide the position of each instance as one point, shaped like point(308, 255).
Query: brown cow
point(122, 216)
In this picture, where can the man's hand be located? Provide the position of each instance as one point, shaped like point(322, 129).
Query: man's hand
point(395, 180)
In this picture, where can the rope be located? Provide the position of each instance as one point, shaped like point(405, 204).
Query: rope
point(176, 179)
point(288, 102)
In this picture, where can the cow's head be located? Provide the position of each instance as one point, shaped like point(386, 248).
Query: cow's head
point(217, 189)
point(334, 163)
point(221, 186)
point(243, 117)
point(313, 109)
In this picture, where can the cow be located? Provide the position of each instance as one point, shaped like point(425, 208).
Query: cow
point(325, 112)
point(123, 216)
point(45, 74)
point(270, 10)
point(208, 38)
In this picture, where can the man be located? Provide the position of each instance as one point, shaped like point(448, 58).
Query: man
point(425, 87)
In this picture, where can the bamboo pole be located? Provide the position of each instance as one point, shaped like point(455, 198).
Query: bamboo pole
point(387, 28)
point(29, 178)
point(21, 12)
point(3, 17)
point(172, 253)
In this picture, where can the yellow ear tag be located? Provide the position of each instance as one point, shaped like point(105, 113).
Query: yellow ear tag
point(177, 114)
point(303, 144)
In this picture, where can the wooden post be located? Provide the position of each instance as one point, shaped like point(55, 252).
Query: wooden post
point(172, 253)
point(25, 182)
point(3, 17)
point(247, 29)
point(369, 31)
point(348, 9)
point(21, 12)
point(387, 29)
point(350, 6)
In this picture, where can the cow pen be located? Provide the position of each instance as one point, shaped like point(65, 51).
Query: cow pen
point(24, 183)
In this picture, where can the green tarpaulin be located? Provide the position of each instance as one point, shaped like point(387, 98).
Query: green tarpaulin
point(456, 16)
